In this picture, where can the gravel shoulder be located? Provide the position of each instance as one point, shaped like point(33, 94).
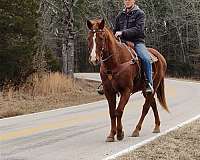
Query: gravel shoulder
point(181, 144)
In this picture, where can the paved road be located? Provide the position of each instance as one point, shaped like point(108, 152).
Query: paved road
point(78, 133)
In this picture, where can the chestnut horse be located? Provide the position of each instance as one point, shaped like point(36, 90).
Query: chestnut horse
point(119, 74)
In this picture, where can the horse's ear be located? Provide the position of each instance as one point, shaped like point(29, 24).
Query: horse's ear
point(102, 24)
point(89, 24)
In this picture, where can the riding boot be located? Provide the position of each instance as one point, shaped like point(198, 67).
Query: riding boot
point(100, 89)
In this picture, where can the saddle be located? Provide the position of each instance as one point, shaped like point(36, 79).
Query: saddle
point(141, 74)
point(131, 45)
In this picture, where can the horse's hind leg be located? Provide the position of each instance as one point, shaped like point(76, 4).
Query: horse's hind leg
point(156, 115)
point(145, 110)
point(119, 112)
point(112, 106)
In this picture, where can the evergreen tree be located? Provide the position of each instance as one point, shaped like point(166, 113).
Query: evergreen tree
point(18, 32)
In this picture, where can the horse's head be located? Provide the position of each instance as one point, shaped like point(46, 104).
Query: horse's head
point(96, 40)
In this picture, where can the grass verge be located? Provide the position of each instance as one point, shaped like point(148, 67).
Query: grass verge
point(46, 92)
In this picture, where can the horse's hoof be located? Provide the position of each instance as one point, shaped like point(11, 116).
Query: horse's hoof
point(120, 136)
point(110, 139)
point(135, 134)
point(156, 130)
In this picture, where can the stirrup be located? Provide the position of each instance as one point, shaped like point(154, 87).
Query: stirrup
point(100, 90)
point(149, 88)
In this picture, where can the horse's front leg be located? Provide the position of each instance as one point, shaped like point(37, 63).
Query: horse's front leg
point(125, 95)
point(111, 97)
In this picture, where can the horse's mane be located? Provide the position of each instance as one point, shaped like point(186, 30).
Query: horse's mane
point(107, 29)
point(121, 49)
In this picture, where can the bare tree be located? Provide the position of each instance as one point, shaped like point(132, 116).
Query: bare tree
point(57, 29)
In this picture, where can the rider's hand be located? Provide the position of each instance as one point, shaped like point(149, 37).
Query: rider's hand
point(118, 34)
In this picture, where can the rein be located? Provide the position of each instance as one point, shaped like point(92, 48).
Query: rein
point(106, 59)
point(110, 73)
point(134, 60)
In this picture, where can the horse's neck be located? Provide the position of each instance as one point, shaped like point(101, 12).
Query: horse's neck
point(124, 52)
point(111, 50)
point(118, 52)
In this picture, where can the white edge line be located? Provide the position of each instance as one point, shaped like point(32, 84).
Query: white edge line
point(132, 148)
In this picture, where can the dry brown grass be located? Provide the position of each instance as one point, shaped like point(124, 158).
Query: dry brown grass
point(46, 92)
point(52, 83)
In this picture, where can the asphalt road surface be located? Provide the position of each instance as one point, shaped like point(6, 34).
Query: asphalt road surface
point(79, 133)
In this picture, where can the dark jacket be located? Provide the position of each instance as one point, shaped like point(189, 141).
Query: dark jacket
point(131, 24)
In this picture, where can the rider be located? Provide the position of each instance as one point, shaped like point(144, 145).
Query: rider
point(129, 26)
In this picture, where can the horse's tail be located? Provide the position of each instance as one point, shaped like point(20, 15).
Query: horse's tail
point(161, 95)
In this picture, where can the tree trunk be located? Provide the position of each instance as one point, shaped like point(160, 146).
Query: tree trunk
point(68, 38)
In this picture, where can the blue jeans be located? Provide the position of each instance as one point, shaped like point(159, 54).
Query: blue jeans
point(143, 54)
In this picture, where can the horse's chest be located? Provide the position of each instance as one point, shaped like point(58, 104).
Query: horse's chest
point(119, 78)
point(118, 83)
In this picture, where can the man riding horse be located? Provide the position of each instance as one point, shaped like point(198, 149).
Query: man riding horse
point(129, 26)
point(120, 68)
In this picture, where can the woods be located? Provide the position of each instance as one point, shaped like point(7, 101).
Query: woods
point(50, 35)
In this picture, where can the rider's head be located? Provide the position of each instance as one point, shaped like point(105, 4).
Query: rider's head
point(129, 3)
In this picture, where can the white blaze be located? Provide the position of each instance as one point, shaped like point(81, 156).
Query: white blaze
point(93, 53)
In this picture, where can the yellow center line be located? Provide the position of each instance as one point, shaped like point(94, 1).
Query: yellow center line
point(67, 121)
point(51, 125)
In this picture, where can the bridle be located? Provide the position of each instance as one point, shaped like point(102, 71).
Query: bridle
point(103, 47)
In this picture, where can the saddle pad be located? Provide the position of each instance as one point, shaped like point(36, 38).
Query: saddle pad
point(153, 58)
point(130, 46)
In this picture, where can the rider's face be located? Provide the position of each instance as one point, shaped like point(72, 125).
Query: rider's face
point(129, 3)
